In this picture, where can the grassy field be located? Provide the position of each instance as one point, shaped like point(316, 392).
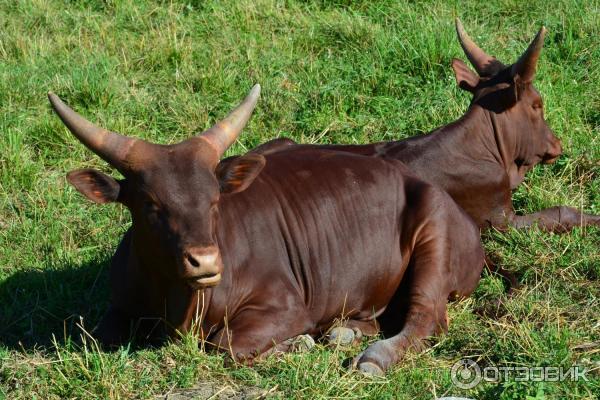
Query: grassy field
point(331, 71)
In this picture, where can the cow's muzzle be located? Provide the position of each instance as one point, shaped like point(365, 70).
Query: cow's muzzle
point(553, 152)
point(202, 266)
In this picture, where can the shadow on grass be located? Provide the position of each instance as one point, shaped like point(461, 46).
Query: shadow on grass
point(37, 304)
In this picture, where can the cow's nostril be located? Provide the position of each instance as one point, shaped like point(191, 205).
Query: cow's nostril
point(193, 262)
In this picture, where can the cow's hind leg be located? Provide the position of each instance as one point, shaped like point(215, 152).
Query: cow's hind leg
point(441, 267)
point(416, 311)
point(555, 219)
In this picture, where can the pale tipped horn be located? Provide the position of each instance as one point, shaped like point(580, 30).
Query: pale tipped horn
point(225, 132)
point(110, 146)
point(526, 65)
point(483, 63)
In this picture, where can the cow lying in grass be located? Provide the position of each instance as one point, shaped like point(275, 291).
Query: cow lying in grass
point(270, 246)
point(481, 158)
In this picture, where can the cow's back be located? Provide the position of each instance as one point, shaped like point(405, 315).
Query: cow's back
point(477, 184)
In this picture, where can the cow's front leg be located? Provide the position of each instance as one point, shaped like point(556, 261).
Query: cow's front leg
point(255, 334)
point(555, 219)
point(134, 311)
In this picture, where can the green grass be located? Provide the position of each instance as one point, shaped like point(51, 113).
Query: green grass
point(331, 71)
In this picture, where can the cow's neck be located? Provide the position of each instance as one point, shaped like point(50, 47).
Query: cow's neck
point(484, 134)
point(514, 151)
point(489, 129)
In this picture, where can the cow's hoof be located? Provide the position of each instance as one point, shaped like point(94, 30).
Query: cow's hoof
point(341, 336)
point(376, 359)
point(302, 343)
point(353, 363)
point(370, 369)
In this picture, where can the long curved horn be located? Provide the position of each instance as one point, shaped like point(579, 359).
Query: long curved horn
point(225, 132)
point(110, 146)
point(526, 65)
point(483, 63)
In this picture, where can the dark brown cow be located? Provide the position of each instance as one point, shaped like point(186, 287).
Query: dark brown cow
point(483, 156)
point(256, 259)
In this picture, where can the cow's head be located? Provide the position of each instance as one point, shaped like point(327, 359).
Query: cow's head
point(172, 191)
point(508, 92)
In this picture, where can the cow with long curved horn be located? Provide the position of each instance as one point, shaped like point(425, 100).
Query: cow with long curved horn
point(224, 133)
point(310, 239)
point(488, 66)
point(110, 146)
point(501, 137)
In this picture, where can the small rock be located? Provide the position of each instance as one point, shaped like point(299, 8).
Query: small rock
point(302, 343)
point(341, 336)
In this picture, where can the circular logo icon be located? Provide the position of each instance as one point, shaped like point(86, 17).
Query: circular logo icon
point(465, 374)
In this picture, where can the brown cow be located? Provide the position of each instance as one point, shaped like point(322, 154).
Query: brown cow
point(274, 245)
point(483, 156)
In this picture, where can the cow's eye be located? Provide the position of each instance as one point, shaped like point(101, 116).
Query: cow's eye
point(537, 106)
point(151, 206)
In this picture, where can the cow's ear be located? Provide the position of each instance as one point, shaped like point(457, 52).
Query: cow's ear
point(238, 173)
point(96, 186)
point(465, 77)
